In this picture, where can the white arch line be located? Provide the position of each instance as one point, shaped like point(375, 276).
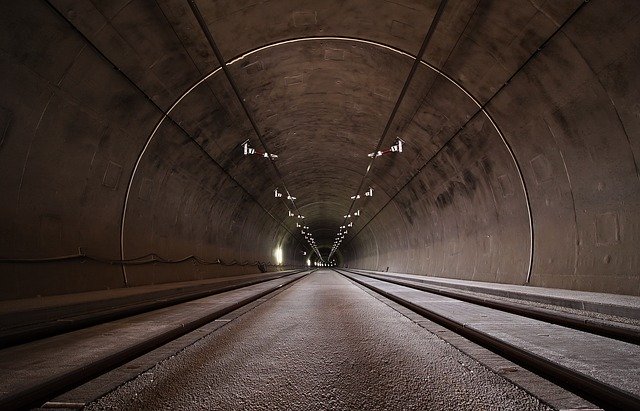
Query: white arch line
point(333, 38)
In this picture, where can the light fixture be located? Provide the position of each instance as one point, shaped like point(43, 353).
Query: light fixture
point(396, 148)
point(247, 150)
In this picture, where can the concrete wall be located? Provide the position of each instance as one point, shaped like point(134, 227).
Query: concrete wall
point(79, 142)
point(120, 135)
point(570, 116)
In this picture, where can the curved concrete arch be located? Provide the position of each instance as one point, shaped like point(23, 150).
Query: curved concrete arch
point(250, 53)
point(118, 139)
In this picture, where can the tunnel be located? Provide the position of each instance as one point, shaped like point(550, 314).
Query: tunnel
point(158, 142)
point(122, 140)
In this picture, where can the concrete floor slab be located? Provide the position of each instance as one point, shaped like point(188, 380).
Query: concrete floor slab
point(610, 361)
point(321, 344)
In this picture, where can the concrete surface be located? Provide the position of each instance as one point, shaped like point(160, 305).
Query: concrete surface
point(119, 137)
point(321, 344)
point(29, 365)
point(31, 311)
point(108, 382)
point(623, 306)
point(612, 362)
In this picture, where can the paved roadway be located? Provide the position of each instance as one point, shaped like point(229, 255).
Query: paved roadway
point(323, 343)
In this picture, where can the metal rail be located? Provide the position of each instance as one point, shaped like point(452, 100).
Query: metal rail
point(236, 90)
point(39, 393)
point(574, 321)
point(24, 334)
point(396, 107)
point(603, 394)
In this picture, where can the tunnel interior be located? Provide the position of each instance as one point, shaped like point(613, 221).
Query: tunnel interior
point(138, 141)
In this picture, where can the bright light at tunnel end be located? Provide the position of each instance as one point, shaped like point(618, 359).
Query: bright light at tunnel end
point(277, 254)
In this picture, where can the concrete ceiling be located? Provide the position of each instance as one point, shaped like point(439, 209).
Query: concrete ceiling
point(121, 136)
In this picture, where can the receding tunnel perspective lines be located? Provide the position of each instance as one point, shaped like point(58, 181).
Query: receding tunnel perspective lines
point(416, 204)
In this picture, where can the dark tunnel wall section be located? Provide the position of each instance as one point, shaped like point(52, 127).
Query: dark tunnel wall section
point(569, 117)
point(74, 129)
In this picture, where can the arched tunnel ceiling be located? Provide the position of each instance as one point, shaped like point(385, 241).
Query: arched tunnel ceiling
point(515, 106)
point(321, 103)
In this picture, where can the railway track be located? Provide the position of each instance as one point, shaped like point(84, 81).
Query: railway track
point(43, 323)
point(564, 355)
point(38, 371)
point(593, 360)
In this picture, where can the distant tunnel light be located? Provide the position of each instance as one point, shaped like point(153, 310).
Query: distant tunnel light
point(308, 262)
point(277, 254)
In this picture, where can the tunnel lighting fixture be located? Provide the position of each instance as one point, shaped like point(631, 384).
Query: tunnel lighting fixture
point(300, 216)
point(357, 213)
point(350, 224)
point(355, 197)
point(291, 214)
point(247, 150)
point(396, 148)
point(290, 197)
point(347, 216)
point(369, 192)
point(276, 193)
point(297, 225)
